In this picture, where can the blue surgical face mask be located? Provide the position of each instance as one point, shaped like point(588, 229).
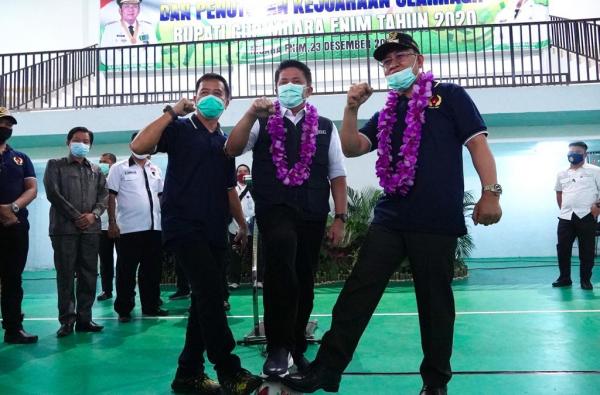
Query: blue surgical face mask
point(104, 167)
point(575, 158)
point(210, 107)
point(290, 95)
point(79, 150)
point(403, 79)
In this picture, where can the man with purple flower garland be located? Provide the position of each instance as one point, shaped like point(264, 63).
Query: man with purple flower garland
point(419, 136)
point(297, 160)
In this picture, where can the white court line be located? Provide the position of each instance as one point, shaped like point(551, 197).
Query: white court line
point(521, 312)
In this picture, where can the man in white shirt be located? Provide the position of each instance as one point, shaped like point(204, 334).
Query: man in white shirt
point(297, 164)
point(577, 195)
point(136, 184)
point(238, 257)
point(126, 32)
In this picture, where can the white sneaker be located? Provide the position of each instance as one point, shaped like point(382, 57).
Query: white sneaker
point(234, 285)
point(259, 284)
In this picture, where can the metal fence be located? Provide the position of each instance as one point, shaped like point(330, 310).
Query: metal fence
point(543, 53)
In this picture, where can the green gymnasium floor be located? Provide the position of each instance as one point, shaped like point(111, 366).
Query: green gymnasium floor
point(514, 335)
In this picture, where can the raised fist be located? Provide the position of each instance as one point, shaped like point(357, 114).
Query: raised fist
point(262, 107)
point(184, 107)
point(358, 94)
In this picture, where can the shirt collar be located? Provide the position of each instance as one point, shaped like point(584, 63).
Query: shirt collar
point(198, 125)
point(132, 162)
point(85, 162)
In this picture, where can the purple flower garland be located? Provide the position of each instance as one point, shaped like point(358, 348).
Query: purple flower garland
point(308, 145)
point(401, 178)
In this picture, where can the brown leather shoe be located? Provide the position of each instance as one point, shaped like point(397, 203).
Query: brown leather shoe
point(65, 330)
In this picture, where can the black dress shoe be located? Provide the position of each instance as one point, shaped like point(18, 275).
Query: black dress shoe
point(156, 313)
point(562, 283)
point(301, 362)
point(316, 377)
point(587, 285)
point(180, 295)
point(429, 390)
point(19, 337)
point(65, 330)
point(90, 326)
point(277, 362)
point(104, 296)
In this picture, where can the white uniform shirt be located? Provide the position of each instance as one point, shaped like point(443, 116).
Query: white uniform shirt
point(116, 34)
point(247, 207)
point(580, 190)
point(336, 156)
point(136, 211)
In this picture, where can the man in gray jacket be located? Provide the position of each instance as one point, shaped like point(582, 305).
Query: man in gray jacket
point(77, 192)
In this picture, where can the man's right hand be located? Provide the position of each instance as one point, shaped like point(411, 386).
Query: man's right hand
point(357, 95)
point(7, 217)
point(113, 231)
point(184, 107)
point(262, 108)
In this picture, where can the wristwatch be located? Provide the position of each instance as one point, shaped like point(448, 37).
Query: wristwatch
point(494, 188)
point(168, 108)
point(15, 208)
point(342, 216)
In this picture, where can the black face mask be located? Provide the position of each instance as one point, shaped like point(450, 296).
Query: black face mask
point(5, 134)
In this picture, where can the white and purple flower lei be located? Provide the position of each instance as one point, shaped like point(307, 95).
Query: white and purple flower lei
point(308, 145)
point(401, 178)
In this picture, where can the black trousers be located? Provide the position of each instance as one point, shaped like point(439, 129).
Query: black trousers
point(291, 249)
point(143, 249)
point(107, 261)
point(584, 229)
point(14, 245)
point(207, 328)
point(432, 264)
point(76, 254)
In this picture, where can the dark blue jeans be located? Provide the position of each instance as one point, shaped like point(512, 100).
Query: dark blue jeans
point(207, 328)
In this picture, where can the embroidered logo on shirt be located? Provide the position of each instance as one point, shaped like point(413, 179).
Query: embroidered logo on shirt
point(321, 132)
point(18, 160)
point(435, 101)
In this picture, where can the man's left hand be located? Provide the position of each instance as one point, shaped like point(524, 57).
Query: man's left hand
point(7, 217)
point(85, 221)
point(487, 211)
point(336, 232)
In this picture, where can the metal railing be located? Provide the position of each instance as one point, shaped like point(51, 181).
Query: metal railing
point(542, 53)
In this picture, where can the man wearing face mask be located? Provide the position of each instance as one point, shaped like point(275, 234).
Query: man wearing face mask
point(578, 198)
point(198, 198)
point(134, 187)
point(76, 189)
point(18, 188)
point(297, 161)
point(418, 135)
point(106, 251)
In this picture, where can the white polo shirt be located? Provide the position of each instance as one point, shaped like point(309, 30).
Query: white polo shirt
point(335, 154)
point(580, 190)
point(137, 190)
point(247, 207)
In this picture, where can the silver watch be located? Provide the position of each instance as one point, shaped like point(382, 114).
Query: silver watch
point(494, 188)
point(15, 208)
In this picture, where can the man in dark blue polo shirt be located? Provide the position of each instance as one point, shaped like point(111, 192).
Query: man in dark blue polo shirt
point(18, 188)
point(419, 137)
point(199, 193)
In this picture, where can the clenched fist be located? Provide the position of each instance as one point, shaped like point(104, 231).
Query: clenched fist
point(184, 107)
point(358, 94)
point(262, 108)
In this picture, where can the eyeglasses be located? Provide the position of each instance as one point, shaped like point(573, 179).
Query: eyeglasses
point(399, 57)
